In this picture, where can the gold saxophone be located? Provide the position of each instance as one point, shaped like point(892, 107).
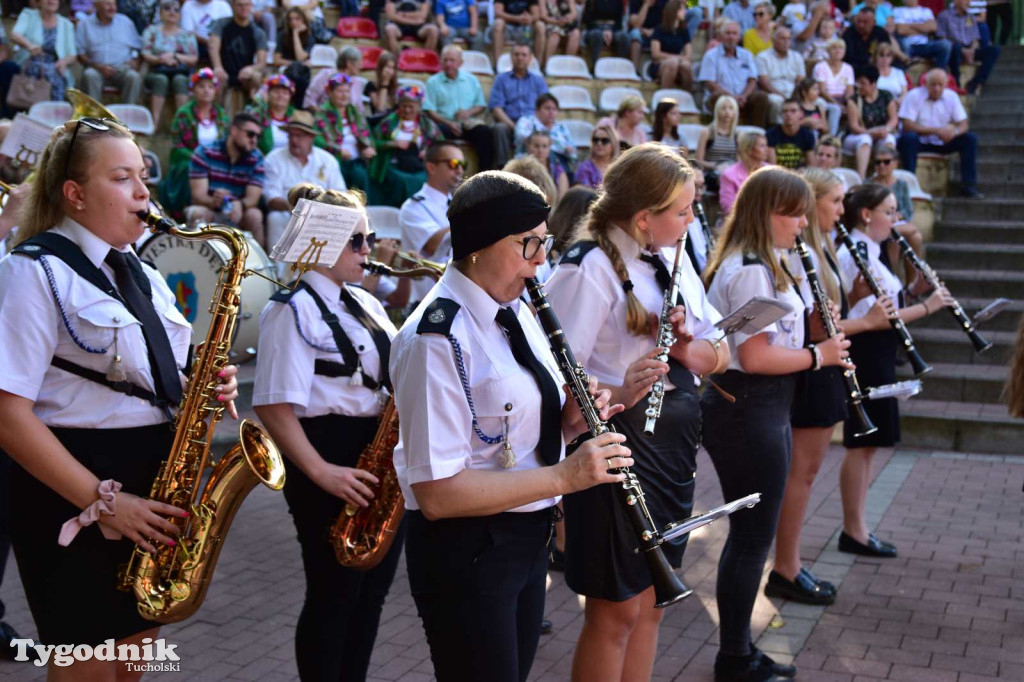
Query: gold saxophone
point(171, 583)
point(362, 537)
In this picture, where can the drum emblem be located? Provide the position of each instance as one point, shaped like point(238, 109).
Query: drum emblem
point(183, 284)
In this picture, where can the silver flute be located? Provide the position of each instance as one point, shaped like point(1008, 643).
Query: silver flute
point(666, 338)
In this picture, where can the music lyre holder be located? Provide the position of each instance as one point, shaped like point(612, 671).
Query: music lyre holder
point(674, 530)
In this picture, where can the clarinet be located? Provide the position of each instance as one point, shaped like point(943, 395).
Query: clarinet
point(916, 361)
point(853, 395)
point(698, 210)
point(956, 310)
point(668, 588)
point(666, 338)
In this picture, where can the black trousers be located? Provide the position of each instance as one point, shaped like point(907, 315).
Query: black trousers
point(5, 519)
point(479, 587)
point(338, 623)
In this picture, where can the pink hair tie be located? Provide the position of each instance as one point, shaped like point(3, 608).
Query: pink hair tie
point(91, 514)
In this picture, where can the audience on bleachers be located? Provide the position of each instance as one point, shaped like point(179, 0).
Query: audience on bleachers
point(46, 46)
point(667, 118)
point(381, 92)
point(730, 70)
point(959, 27)
point(890, 77)
point(742, 12)
point(828, 154)
point(264, 13)
point(835, 76)
point(779, 69)
point(349, 62)
point(808, 96)
point(295, 40)
point(883, 13)
point(644, 17)
point(545, 119)
point(107, 44)
point(516, 22)
point(628, 122)
point(402, 138)
point(671, 49)
point(716, 147)
point(789, 143)
point(753, 154)
point(934, 120)
point(198, 17)
point(534, 171)
point(455, 102)
point(409, 19)
point(759, 38)
point(344, 133)
point(816, 48)
point(914, 28)
point(863, 37)
point(238, 49)
point(513, 95)
point(872, 116)
point(886, 162)
point(604, 148)
point(538, 145)
point(459, 20)
point(172, 54)
point(602, 27)
point(561, 20)
point(273, 110)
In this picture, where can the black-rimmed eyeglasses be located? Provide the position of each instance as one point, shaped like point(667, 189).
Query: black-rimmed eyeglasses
point(359, 237)
point(532, 244)
point(95, 124)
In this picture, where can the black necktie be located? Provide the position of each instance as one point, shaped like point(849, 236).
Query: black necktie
point(136, 290)
point(550, 405)
point(380, 337)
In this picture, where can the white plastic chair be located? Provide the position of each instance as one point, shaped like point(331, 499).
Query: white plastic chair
point(749, 129)
point(572, 98)
point(684, 100)
point(138, 118)
point(51, 113)
point(384, 221)
point(477, 62)
point(912, 184)
point(690, 132)
point(505, 64)
point(849, 176)
point(580, 132)
point(323, 55)
point(616, 69)
point(565, 66)
point(612, 97)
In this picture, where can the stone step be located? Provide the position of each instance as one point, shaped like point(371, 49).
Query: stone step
point(999, 135)
point(995, 170)
point(978, 211)
point(1006, 321)
point(1001, 189)
point(963, 427)
point(951, 346)
point(982, 121)
point(979, 231)
point(984, 283)
point(942, 256)
point(1008, 105)
point(960, 382)
point(1008, 151)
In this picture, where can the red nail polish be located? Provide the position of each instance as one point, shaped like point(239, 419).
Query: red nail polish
point(220, 373)
point(172, 543)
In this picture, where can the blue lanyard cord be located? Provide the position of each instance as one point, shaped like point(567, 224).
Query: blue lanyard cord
point(63, 313)
point(302, 335)
point(460, 365)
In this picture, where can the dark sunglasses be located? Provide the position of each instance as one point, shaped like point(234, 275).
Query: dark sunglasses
point(760, 14)
point(251, 134)
point(452, 163)
point(601, 140)
point(359, 237)
point(532, 244)
point(884, 162)
point(95, 124)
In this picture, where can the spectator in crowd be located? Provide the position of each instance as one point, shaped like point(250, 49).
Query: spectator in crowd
point(873, 119)
point(459, 19)
point(790, 144)
point(409, 19)
point(835, 76)
point(538, 145)
point(298, 161)
point(803, 22)
point(779, 70)
point(402, 139)
point(628, 122)
point(321, 34)
point(350, 63)
point(513, 95)
point(343, 132)
point(742, 12)
point(890, 77)
point(238, 49)
point(604, 148)
point(710, 12)
point(142, 13)
point(226, 179)
point(561, 19)
point(47, 47)
point(886, 162)
point(753, 153)
point(264, 14)
point(517, 22)
point(934, 121)
point(883, 13)
point(172, 54)
point(295, 40)
point(646, 15)
point(545, 119)
point(816, 48)
point(667, 118)
point(107, 45)
point(273, 111)
point(914, 27)
point(8, 69)
point(956, 25)
point(716, 146)
point(602, 27)
point(201, 121)
point(424, 216)
point(534, 171)
point(670, 49)
point(863, 37)
point(381, 92)
point(198, 17)
point(455, 102)
point(828, 154)
point(730, 70)
point(808, 95)
point(759, 38)
point(1000, 11)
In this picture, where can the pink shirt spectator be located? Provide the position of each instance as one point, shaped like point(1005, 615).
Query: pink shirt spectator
point(834, 84)
point(729, 184)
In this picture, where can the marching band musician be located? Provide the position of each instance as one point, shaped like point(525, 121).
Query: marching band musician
point(480, 459)
point(749, 442)
point(608, 291)
point(870, 213)
point(320, 385)
point(92, 349)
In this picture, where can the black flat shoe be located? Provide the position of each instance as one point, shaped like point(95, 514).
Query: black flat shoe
point(780, 669)
point(802, 589)
point(824, 584)
point(755, 667)
point(9, 651)
point(874, 546)
point(971, 193)
point(546, 627)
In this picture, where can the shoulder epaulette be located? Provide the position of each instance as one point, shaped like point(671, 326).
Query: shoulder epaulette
point(51, 243)
point(285, 295)
point(752, 259)
point(438, 317)
point(575, 254)
point(418, 197)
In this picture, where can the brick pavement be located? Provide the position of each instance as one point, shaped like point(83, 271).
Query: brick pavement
point(949, 609)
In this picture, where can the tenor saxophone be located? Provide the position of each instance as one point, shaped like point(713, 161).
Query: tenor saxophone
point(362, 537)
point(171, 583)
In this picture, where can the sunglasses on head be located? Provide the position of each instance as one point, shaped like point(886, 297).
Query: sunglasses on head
point(356, 242)
point(601, 140)
point(95, 124)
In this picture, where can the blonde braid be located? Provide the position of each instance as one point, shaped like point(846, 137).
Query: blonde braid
point(637, 317)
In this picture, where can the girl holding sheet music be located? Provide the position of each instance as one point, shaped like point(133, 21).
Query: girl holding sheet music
point(750, 441)
point(318, 390)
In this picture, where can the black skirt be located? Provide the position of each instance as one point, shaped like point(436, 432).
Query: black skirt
point(874, 353)
point(600, 560)
point(819, 399)
point(73, 591)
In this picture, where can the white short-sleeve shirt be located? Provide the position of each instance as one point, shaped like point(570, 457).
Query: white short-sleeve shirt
point(912, 15)
point(889, 282)
point(931, 113)
point(198, 17)
point(32, 332)
point(421, 216)
point(437, 437)
point(284, 171)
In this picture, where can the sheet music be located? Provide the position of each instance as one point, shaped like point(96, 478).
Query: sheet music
point(26, 140)
point(321, 229)
point(754, 315)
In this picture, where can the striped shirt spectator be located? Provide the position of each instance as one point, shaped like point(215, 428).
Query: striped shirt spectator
point(213, 163)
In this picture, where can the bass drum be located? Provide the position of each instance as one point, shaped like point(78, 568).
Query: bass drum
point(192, 270)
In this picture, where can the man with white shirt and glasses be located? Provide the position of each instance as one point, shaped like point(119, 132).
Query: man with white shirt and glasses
point(914, 26)
point(934, 120)
point(729, 69)
point(963, 29)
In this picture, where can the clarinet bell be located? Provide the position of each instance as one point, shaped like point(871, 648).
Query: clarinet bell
point(978, 341)
point(917, 362)
point(861, 420)
point(668, 588)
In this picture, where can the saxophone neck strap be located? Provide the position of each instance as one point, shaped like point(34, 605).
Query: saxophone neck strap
point(125, 387)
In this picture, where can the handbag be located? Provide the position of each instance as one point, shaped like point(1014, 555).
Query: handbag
point(26, 91)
